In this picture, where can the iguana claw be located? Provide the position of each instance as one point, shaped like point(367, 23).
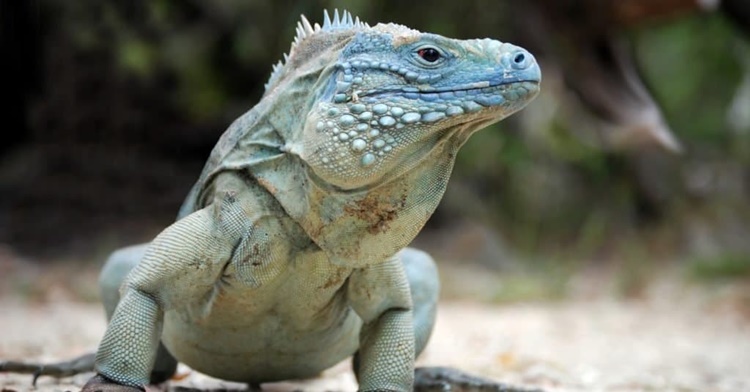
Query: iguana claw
point(100, 383)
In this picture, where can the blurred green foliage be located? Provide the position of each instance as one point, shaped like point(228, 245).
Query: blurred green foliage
point(721, 266)
point(693, 68)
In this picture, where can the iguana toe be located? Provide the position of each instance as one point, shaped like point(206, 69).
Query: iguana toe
point(100, 383)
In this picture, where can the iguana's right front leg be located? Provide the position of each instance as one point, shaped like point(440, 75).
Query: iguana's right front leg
point(127, 352)
point(111, 279)
point(181, 263)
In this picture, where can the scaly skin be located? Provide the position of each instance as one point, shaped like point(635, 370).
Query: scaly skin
point(289, 254)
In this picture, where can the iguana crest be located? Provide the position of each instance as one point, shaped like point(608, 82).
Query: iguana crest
point(305, 30)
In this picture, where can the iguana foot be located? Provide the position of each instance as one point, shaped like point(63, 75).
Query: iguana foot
point(82, 364)
point(434, 379)
point(100, 383)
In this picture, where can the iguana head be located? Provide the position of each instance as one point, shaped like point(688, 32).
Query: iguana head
point(373, 102)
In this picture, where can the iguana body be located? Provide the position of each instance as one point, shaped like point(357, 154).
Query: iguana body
point(289, 254)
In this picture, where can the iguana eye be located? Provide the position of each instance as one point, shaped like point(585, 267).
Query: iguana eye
point(430, 55)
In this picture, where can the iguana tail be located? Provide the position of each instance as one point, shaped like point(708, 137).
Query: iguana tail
point(82, 364)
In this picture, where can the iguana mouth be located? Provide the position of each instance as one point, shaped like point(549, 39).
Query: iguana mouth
point(434, 94)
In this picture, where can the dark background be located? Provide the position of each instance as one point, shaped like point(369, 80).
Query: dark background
point(112, 107)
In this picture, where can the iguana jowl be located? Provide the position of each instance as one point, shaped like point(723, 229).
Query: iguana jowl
point(289, 254)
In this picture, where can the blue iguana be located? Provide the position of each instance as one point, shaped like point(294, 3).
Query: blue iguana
point(290, 252)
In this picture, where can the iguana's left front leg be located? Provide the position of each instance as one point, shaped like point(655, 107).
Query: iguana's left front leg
point(380, 295)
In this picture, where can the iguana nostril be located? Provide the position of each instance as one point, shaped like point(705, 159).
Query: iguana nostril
point(519, 58)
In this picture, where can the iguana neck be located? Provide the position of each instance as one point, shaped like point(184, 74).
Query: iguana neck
point(371, 224)
point(360, 227)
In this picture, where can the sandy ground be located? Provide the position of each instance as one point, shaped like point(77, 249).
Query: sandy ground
point(675, 335)
point(678, 341)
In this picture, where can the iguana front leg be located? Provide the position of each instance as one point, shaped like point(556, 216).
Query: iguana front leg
point(380, 295)
point(181, 263)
